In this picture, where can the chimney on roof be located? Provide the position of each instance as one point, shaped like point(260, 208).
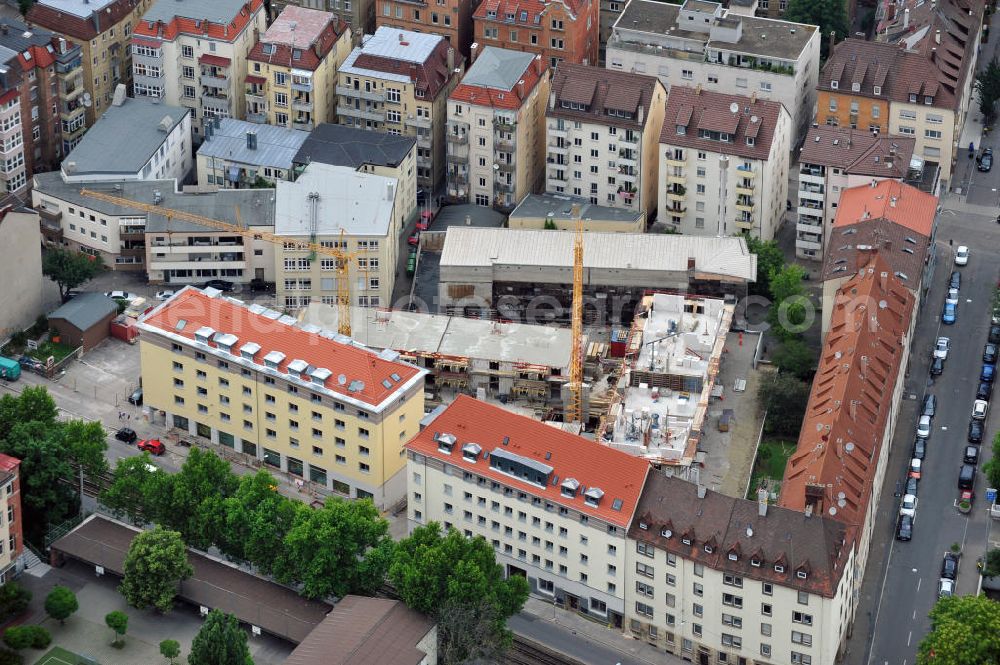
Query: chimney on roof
point(691, 263)
point(854, 409)
point(762, 502)
point(873, 183)
point(473, 52)
point(62, 45)
point(539, 65)
point(883, 277)
point(520, 89)
point(753, 97)
point(3, 28)
point(937, 36)
point(833, 39)
point(468, 220)
point(906, 17)
point(450, 59)
point(701, 491)
point(642, 114)
point(697, 89)
point(892, 201)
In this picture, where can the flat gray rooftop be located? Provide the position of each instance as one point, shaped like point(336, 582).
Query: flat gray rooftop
point(561, 207)
point(217, 11)
point(276, 146)
point(81, 8)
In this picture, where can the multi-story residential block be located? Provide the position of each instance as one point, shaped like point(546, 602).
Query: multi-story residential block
point(359, 15)
point(14, 173)
point(293, 69)
point(11, 525)
point(103, 29)
point(388, 155)
point(700, 43)
point(236, 153)
point(48, 73)
point(881, 87)
point(398, 82)
point(22, 299)
point(603, 128)
point(540, 211)
point(135, 139)
point(894, 220)
point(831, 160)
point(323, 409)
point(496, 129)
point(340, 208)
point(451, 19)
point(557, 30)
point(193, 53)
point(556, 507)
point(716, 579)
point(723, 163)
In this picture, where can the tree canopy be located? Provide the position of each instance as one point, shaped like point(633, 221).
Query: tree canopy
point(70, 269)
point(987, 86)
point(220, 641)
point(117, 621)
point(965, 630)
point(155, 565)
point(788, 313)
point(61, 603)
point(770, 261)
point(829, 15)
point(793, 356)
point(785, 398)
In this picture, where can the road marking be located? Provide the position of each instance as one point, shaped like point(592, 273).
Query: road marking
point(918, 583)
point(908, 638)
point(914, 617)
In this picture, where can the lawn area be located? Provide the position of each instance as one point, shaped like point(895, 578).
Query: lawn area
point(769, 467)
point(46, 349)
point(59, 656)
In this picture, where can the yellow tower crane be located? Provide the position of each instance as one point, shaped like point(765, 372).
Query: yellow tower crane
point(343, 258)
point(575, 412)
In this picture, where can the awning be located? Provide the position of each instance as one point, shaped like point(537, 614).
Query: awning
point(217, 60)
point(256, 80)
point(234, 174)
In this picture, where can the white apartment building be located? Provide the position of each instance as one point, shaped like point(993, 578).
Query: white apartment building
point(715, 579)
point(723, 163)
point(135, 139)
point(831, 160)
point(237, 153)
point(555, 507)
point(602, 131)
point(193, 53)
point(701, 43)
point(360, 214)
point(14, 173)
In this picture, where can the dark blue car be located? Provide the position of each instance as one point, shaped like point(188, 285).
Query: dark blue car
point(948, 315)
point(987, 373)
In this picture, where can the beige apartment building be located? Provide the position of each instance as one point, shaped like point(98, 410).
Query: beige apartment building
point(398, 82)
point(723, 163)
point(555, 507)
point(603, 129)
point(193, 53)
point(245, 377)
point(103, 29)
point(496, 128)
point(360, 214)
point(292, 73)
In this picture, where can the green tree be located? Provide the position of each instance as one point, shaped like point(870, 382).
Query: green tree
point(965, 630)
point(133, 489)
point(252, 524)
point(24, 5)
point(70, 269)
point(992, 467)
point(770, 261)
point(170, 649)
point(117, 621)
point(220, 641)
point(190, 501)
point(992, 563)
point(829, 15)
point(785, 398)
point(434, 572)
point(325, 548)
point(987, 86)
point(788, 302)
point(61, 603)
point(14, 600)
point(155, 564)
point(793, 356)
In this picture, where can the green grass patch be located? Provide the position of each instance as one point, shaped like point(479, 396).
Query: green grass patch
point(60, 656)
point(46, 349)
point(769, 467)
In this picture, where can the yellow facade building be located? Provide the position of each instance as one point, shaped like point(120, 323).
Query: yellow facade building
point(292, 72)
point(297, 397)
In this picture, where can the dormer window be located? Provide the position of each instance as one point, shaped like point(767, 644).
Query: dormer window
point(203, 334)
point(751, 141)
point(296, 367)
point(268, 49)
point(592, 497)
point(724, 137)
point(569, 487)
point(296, 54)
point(225, 341)
point(834, 85)
point(708, 548)
point(470, 452)
point(928, 100)
point(755, 562)
point(913, 97)
point(491, 13)
point(733, 556)
point(320, 375)
point(249, 350)
point(445, 442)
point(643, 526)
point(801, 574)
point(681, 130)
point(877, 90)
point(855, 87)
point(273, 359)
point(778, 568)
point(686, 541)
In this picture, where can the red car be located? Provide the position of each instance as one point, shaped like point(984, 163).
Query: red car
point(424, 222)
point(152, 446)
point(414, 239)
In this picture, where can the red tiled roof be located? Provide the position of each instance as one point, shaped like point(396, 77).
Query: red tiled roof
point(619, 475)
point(600, 90)
point(501, 99)
point(8, 463)
point(888, 199)
point(224, 316)
point(13, 93)
point(40, 57)
point(308, 56)
point(77, 27)
point(430, 76)
point(527, 13)
point(703, 109)
point(858, 152)
point(206, 30)
point(217, 60)
point(834, 465)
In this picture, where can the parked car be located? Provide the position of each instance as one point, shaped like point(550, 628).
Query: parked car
point(961, 255)
point(990, 354)
point(949, 566)
point(966, 477)
point(911, 486)
point(220, 284)
point(937, 366)
point(955, 282)
point(908, 506)
point(950, 313)
point(984, 390)
point(136, 397)
point(122, 295)
point(946, 588)
point(915, 468)
point(414, 239)
point(152, 446)
point(424, 222)
point(126, 434)
point(924, 427)
point(971, 455)
point(985, 161)
point(986, 374)
point(166, 294)
point(930, 405)
point(941, 347)
point(994, 337)
point(979, 409)
point(919, 448)
point(952, 297)
point(975, 432)
point(904, 528)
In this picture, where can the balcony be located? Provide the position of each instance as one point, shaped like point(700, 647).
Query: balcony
point(503, 187)
point(555, 181)
point(745, 205)
point(452, 158)
point(504, 145)
point(554, 149)
point(302, 86)
point(670, 161)
point(458, 139)
point(676, 180)
point(302, 104)
point(71, 89)
point(744, 224)
point(458, 178)
point(627, 158)
point(370, 95)
point(424, 160)
point(12, 146)
point(745, 172)
point(628, 177)
point(345, 110)
point(804, 227)
point(744, 190)
point(458, 150)
point(808, 241)
point(152, 81)
point(196, 265)
point(504, 125)
point(217, 82)
point(424, 141)
point(303, 125)
point(653, 49)
point(629, 142)
point(215, 102)
point(258, 118)
point(420, 121)
point(678, 196)
point(558, 133)
point(505, 167)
